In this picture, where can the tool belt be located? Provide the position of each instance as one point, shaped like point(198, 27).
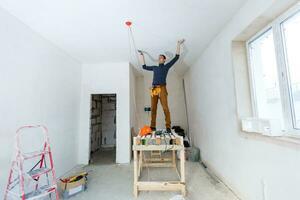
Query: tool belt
point(155, 90)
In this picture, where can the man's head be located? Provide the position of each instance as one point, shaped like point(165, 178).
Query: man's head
point(161, 59)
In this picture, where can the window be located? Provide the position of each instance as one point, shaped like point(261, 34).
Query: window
point(274, 67)
point(291, 37)
point(265, 77)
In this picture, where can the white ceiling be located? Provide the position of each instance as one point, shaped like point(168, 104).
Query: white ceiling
point(94, 31)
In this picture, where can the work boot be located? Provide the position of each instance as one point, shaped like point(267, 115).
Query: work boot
point(168, 130)
point(153, 128)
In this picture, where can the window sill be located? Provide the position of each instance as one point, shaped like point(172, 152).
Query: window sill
point(268, 130)
point(290, 138)
point(285, 139)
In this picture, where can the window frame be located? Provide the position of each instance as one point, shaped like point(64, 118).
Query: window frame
point(282, 70)
point(296, 10)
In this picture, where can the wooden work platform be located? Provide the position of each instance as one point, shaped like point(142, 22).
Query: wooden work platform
point(158, 143)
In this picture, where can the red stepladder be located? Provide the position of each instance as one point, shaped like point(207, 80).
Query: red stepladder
point(32, 175)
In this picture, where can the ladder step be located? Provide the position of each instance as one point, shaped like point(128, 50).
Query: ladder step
point(41, 192)
point(38, 172)
point(34, 154)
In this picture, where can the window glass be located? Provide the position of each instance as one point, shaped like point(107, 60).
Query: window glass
point(265, 77)
point(291, 36)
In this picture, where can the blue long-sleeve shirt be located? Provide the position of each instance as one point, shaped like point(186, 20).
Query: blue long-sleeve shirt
point(160, 72)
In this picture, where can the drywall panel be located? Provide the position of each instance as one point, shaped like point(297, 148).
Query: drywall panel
point(134, 117)
point(39, 84)
point(108, 121)
point(140, 98)
point(106, 78)
point(95, 123)
point(255, 168)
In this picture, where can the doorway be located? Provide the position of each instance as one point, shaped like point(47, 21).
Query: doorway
point(103, 129)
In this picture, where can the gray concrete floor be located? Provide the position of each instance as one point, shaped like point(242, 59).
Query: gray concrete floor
point(109, 181)
point(105, 156)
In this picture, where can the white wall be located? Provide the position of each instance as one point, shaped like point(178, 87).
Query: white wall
point(133, 101)
point(106, 78)
point(256, 168)
point(32, 73)
point(142, 118)
point(175, 100)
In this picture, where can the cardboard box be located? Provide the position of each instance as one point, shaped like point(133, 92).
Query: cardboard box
point(71, 188)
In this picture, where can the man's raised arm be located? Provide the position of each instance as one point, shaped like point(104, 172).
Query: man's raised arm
point(173, 61)
point(142, 58)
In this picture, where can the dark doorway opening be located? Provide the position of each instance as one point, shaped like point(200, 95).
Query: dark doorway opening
point(103, 129)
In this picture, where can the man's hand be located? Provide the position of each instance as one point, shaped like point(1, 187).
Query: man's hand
point(140, 52)
point(180, 42)
point(142, 58)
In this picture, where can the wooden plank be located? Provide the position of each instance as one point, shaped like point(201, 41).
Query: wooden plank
point(156, 147)
point(160, 186)
point(140, 163)
point(135, 171)
point(161, 165)
point(155, 154)
point(174, 158)
point(182, 170)
point(158, 140)
point(138, 140)
point(158, 160)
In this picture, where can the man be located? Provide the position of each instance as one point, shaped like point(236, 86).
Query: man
point(159, 89)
